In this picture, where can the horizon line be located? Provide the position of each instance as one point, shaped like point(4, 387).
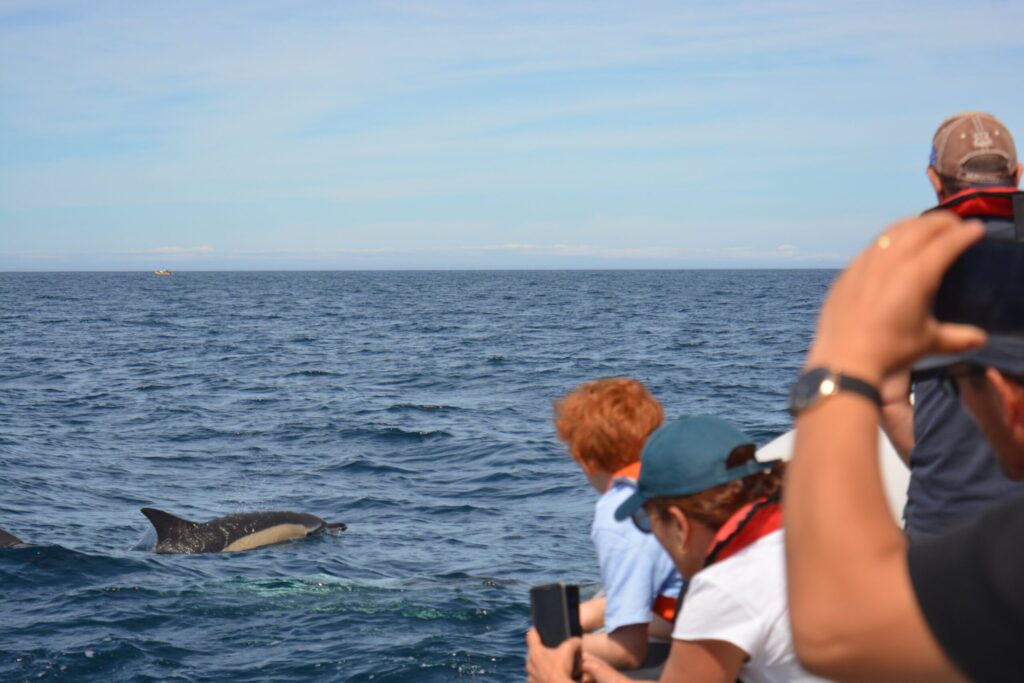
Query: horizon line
point(420, 270)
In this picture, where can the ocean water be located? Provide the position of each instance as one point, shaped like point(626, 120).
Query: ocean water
point(415, 406)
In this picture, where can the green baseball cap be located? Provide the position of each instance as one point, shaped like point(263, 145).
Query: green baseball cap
point(687, 456)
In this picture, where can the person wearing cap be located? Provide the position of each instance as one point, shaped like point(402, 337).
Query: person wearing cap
point(604, 424)
point(953, 475)
point(865, 605)
point(716, 510)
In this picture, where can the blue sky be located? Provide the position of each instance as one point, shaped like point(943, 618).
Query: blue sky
point(450, 134)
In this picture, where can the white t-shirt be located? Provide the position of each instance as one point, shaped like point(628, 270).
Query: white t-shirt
point(742, 600)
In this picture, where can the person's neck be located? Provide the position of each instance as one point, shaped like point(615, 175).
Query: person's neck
point(697, 547)
point(599, 479)
point(943, 195)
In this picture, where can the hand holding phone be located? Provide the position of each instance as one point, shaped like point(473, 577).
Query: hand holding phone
point(555, 608)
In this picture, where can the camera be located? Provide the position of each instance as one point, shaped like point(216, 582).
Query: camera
point(985, 287)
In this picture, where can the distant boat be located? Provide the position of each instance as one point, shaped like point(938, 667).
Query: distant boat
point(162, 272)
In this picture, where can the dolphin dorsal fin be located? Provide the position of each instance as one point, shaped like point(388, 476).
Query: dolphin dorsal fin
point(165, 522)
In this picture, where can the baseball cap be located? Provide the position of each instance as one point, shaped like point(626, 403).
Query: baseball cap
point(1002, 351)
point(687, 456)
point(968, 136)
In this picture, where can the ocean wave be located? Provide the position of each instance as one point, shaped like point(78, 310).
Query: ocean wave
point(422, 407)
point(414, 406)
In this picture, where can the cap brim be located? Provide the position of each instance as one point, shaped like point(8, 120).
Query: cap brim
point(931, 364)
point(1003, 351)
point(629, 506)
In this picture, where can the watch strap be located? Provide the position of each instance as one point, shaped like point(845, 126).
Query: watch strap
point(859, 386)
point(819, 383)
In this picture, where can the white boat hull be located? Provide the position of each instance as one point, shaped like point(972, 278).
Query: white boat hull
point(895, 474)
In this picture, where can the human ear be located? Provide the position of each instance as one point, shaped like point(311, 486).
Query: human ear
point(1004, 424)
point(1011, 398)
point(935, 180)
point(677, 518)
point(1017, 175)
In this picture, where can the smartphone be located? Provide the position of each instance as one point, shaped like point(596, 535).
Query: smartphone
point(985, 287)
point(555, 608)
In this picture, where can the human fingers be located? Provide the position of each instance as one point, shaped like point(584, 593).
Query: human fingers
point(534, 668)
point(532, 638)
point(889, 251)
point(588, 677)
point(895, 388)
point(594, 668)
point(894, 283)
point(568, 647)
point(532, 650)
point(897, 253)
point(957, 338)
point(936, 256)
point(909, 234)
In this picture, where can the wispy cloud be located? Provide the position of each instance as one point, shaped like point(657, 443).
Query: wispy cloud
point(523, 253)
point(380, 125)
point(175, 251)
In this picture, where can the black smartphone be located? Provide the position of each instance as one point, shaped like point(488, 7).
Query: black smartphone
point(985, 287)
point(555, 608)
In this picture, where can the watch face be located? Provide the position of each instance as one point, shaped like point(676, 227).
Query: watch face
point(807, 390)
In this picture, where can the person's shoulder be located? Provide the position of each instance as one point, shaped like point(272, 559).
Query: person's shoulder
point(609, 501)
point(983, 560)
point(771, 546)
point(760, 564)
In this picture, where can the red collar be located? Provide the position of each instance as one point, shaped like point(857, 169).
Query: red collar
point(986, 202)
point(748, 524)
point(631, 472)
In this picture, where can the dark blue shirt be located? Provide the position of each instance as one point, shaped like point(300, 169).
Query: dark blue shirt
point(954, 475)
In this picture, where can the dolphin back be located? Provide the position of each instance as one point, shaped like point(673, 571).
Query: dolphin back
point(9, 540)
point(232, 533)
point(168, 527)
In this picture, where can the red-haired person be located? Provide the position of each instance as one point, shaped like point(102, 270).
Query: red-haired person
point(716, 510)
point(604, 425)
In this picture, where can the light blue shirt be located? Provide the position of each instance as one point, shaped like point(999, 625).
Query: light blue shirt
point(635, 569)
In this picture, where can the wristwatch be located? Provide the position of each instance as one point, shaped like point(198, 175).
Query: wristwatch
point(819, 383)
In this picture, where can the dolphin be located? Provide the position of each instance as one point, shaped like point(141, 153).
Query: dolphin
point(11, 541)
point(231, 533)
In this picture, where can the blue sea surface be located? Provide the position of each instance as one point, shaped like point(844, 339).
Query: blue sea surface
point(415, 406)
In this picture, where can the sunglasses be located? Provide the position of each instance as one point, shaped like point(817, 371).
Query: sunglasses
point(642, 520)
point(948, 379)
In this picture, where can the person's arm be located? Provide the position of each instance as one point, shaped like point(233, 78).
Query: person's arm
point(629, 565)
point(623, 648)
point(592, 614)
point(701, 661)
point(852, 606)
point(898, 414)
point(659, 628)
point(853, 609)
